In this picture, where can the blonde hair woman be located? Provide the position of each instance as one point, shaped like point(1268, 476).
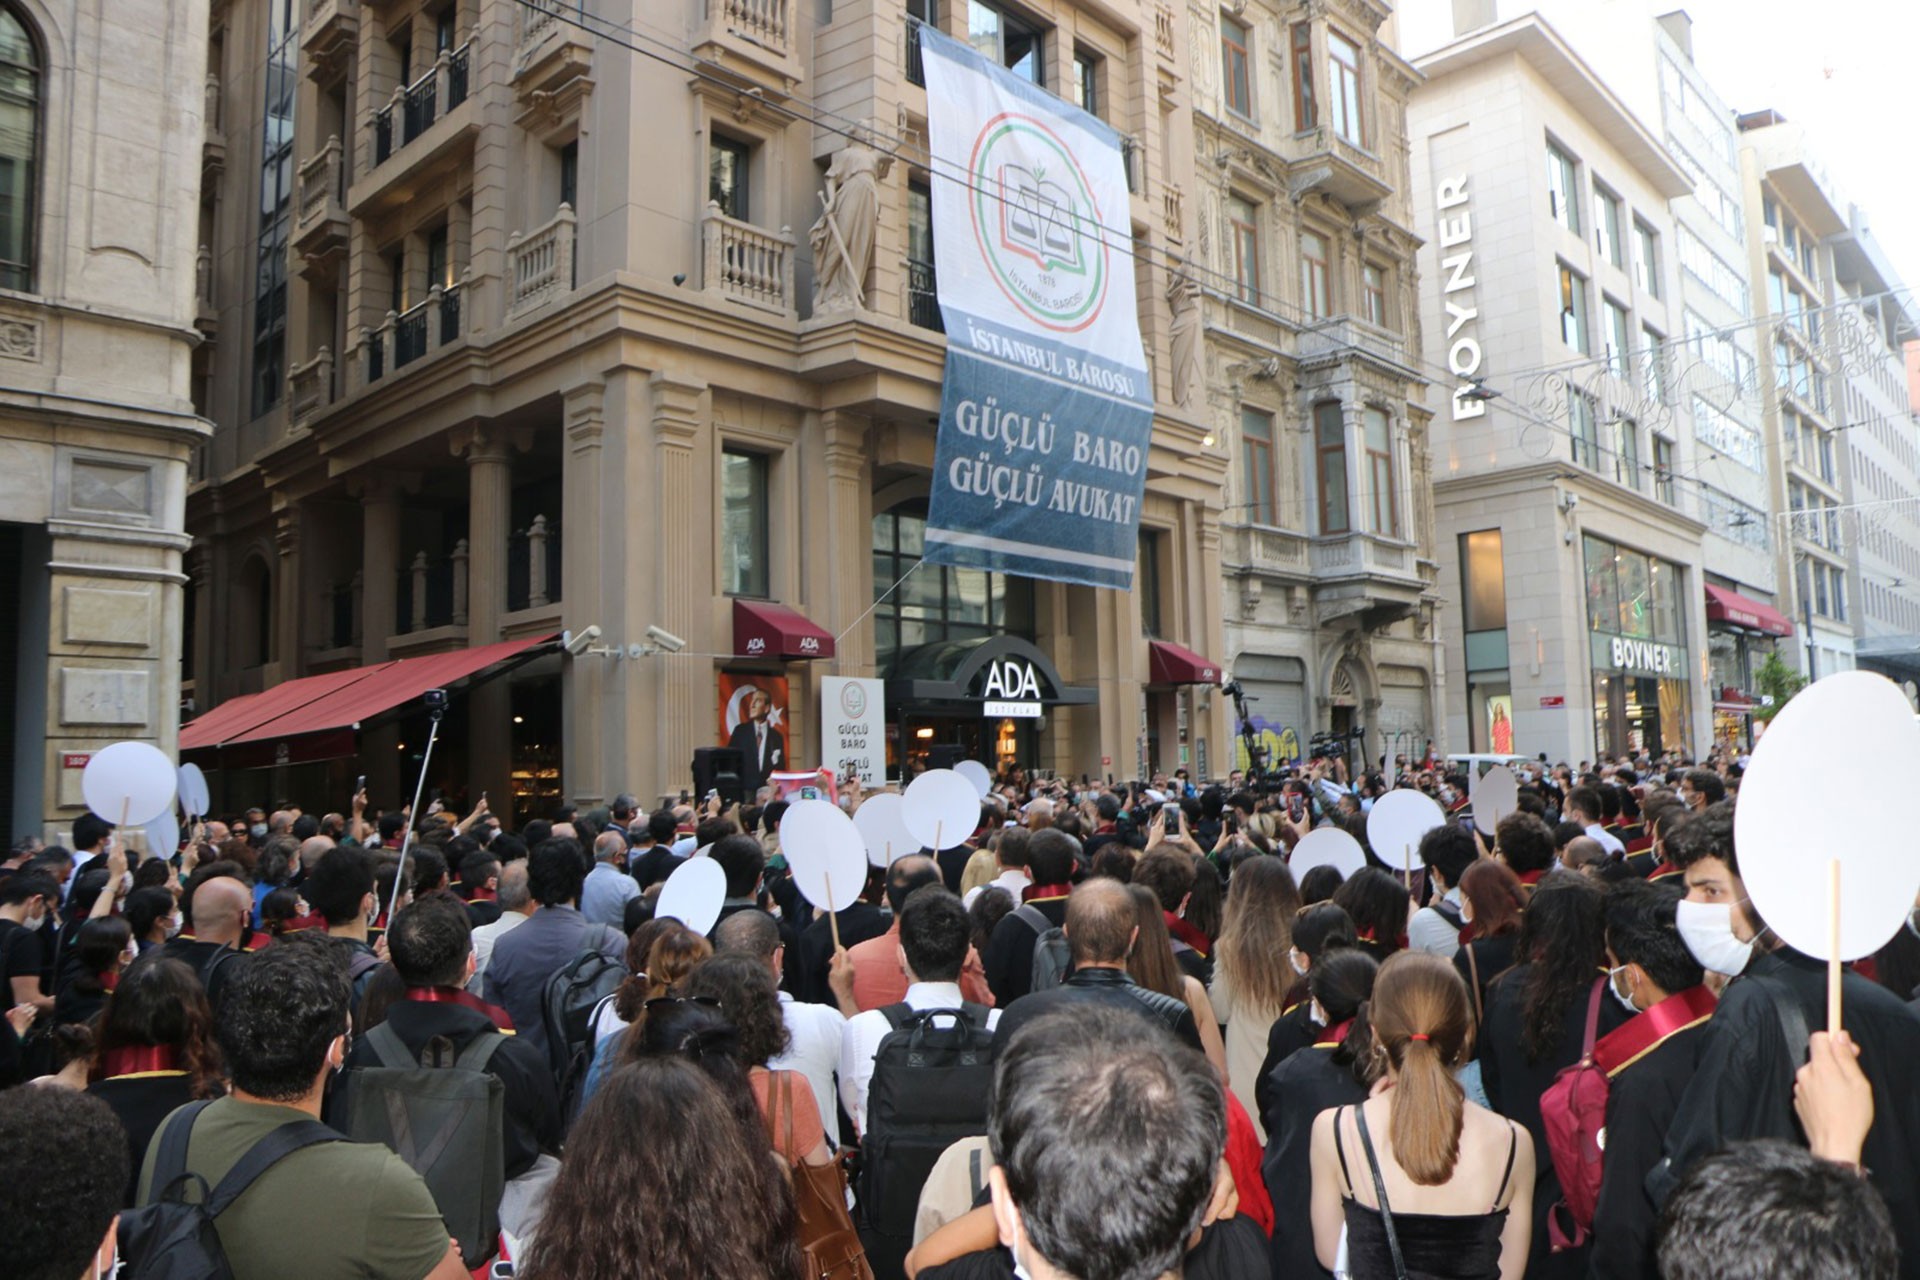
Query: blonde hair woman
point(1251, 973)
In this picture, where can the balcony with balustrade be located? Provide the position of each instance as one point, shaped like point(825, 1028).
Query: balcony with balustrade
point(752, 39)
point(1344, 337)
point(540, 264)
point(422, 135)
point(311, 387)
point(1322, 159)
point(329, 30)
point(1367, 574)
point(320, 227)
point(747, 264)
point(423, 329)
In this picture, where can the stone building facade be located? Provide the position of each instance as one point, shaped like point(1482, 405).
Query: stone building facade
point(545, 355)
point(102, 145)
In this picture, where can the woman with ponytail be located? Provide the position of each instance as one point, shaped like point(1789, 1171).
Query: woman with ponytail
point(1418, 1181)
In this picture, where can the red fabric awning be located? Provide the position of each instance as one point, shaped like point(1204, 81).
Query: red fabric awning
point(1169, 663)
point(762, 630)
point(1737, 610)
point(342, 699)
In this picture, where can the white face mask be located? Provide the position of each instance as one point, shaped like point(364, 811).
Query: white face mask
point(1707, 929)
point(1316, 1015)
point(173, 925)
point(36, 923)
point(1300, 967)
point(1613, 985)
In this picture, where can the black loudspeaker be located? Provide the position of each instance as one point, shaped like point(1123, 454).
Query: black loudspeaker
point(718, 769)
point(945, 755)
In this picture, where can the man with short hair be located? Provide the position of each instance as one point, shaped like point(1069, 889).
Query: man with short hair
point(66, 1157)
point(652, 860)
point(1526, 845)
point(608, 888)
point(221, 908)
point(393, 830)
point(1107, 1141)
point(1743, 1088)
point(1169, 873)
point(515, 904)
point(1584, 806)
point(480, 879)
point(1773, 1211)
point(336, 1208)
point(548, 942)
point(1700, 788)
point(27, 900)
point(341, 891)
point(431, 945)
point(1447, 851)
point(813, 1030)
point(1101, 929)
point(1010, 856)
point(935, 935)
point(1051, 855)
point(877, 978)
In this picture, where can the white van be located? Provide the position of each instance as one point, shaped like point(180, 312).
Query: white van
point(1481, 763)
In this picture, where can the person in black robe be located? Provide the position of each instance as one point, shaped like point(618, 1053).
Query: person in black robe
point(1657, 1053)
point(1758, 1038)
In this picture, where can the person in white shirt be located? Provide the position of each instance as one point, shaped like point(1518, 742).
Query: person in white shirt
point(1447, 850)
point(516, 904)
point(1583, 807)
point(813, 1030)
point(1010, 855)
point(935, 934)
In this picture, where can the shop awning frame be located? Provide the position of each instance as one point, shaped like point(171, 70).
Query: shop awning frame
point(1170, 663)
point(762, 629)
point(342, 700)
point(1729, 606)
point(944, 672)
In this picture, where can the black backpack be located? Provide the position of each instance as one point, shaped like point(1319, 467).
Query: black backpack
point(172, 1238)
point(1052, 957)
point(932, 1077)
point(567, 1009)
point(444, 1114)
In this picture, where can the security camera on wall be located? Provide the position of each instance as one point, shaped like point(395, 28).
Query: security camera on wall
point(665, 639)
point(577, 643)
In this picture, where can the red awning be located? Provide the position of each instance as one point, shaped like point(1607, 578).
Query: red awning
point(342, 699)
point(1169, 663)
point(762, 630)
point(1735, 609)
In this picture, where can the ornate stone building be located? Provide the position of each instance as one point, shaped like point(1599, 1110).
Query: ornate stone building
point(102, 142)
point(1304, 248)
point(518, 335)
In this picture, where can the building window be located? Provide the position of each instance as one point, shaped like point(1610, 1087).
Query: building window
point(727, 175)
point(1316, 277)
point(1607, 225)
point(1646, 259)
point(1626, 456)
point(1256, 450)
point(570, 176)
point(443, 30)
point(1617, 337)
point(1008, 41)
point(743, 523)
point(1573, 310)
point(1306, 111)
point(1234, 62)
point(1330, 452)
point(1385, 509)
point(276, 199)
point(1147, 583)
point(1654, 360)
point(1243, 220)
point(439, 259)
point(1086, 83)
point(1585, 429)
point(1373, 287)
point(1343, 87)
point(1663, 470)
point(937, 602)
point(19, 161)
point(1562, 184)
point(1484, 591)
point(923, 296)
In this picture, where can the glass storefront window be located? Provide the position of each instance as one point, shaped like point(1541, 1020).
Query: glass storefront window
point(1630, 567)
point(936, 602)
point(1603, 595)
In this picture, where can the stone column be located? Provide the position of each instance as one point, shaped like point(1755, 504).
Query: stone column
point(682, 688)
point(849, 576)
point(287, 637)
point(489, 512)
point(200, 570)
point(380, 563)
point(586, 682)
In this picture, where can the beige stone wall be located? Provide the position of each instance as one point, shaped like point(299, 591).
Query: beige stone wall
point(96, 422)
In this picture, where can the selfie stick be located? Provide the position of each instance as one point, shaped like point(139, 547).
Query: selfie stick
point(413, 814)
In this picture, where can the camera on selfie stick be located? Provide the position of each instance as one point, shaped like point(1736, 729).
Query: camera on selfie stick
point(435, 702)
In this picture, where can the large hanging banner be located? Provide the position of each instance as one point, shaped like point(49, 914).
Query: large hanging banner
point(1048, 408)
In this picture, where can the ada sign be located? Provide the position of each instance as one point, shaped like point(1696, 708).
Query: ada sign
point(853, 728)
point(1007, 678)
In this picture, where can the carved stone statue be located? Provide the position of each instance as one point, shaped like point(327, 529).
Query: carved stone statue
point(842, 239)
point(1183, 297)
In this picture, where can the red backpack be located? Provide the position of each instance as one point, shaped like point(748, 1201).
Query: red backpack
point(1573, 1111)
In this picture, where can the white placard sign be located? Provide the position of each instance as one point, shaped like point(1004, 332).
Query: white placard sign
point(853, 728)
point(881, 824)
point(129, 783)
point(976, 773)
point(824, 848)
point(1327, 847)
point(1397, 821)
point(693, 894)
point(1813, 749)
point(1496, 793)
point(942, 809)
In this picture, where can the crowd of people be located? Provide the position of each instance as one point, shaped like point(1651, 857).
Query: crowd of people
point(1109, 1036)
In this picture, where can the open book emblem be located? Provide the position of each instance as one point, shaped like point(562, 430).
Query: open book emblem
point(1038, 219)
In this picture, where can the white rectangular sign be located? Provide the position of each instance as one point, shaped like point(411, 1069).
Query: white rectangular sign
point(1012, 711)
point(853, 728)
